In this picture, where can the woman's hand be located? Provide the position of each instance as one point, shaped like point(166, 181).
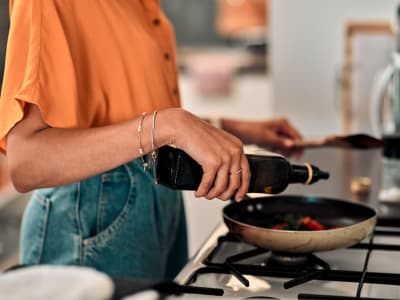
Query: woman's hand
point(275, 134)
point(226, 169)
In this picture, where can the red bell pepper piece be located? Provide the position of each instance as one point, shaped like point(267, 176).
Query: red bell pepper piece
point(312, 224)
point(280, 226)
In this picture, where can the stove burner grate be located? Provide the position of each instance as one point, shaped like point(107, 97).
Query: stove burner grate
point(241, 263)
point(315, 267)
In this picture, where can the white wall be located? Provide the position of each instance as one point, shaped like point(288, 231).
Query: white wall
point(306, 46)
point(250, 98)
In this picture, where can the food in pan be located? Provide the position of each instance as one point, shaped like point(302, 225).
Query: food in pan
point(297, 222)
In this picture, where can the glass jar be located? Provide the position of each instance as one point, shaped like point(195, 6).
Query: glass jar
point(390, 187)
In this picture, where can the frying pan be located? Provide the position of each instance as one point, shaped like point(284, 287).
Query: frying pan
point(252, 219)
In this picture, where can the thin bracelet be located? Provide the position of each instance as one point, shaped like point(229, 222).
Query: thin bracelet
point(153, 147)
point(139, 130)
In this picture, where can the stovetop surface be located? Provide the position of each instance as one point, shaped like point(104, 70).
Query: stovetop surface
point(385, 259)
point(273, 287)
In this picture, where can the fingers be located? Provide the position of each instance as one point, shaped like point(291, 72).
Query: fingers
point(245, 179)
point(234, 175)
point(207, 180)
point(278, 142)
point(285, 128)
point(219, 153)
point(287, 151)
point(296, 136)
point(282, 138)
point(227, 176)
point(221, 181)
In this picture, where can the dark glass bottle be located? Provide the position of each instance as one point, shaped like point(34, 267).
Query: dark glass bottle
point(269, 173)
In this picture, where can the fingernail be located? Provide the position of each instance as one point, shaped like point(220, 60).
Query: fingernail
point(238, 198)
point(288, 143)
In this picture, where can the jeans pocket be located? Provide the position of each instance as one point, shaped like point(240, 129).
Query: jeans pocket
point(34, 229)
point(116, 199)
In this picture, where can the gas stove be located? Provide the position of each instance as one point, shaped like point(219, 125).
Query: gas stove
point(232, 269)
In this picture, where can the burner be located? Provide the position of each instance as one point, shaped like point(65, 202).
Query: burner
point(281, 260)
point(289, 259)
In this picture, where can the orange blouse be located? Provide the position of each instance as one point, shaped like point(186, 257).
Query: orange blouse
point(87, 63)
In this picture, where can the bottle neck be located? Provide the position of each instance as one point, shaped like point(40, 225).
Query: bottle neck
point(306, 174)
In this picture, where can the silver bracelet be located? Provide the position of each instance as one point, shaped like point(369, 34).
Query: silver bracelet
point(139, 130)
point(153, 145)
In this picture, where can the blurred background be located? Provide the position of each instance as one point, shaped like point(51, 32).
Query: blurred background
point(315, 62)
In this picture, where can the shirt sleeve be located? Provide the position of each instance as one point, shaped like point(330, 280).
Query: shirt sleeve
point(86, 65)
point(46, 66)
point(22, 62)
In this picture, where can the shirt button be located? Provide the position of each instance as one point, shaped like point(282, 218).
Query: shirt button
point(156, 22)
point(167, 56)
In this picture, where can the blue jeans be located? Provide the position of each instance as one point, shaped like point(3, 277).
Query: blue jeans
point(118, 222)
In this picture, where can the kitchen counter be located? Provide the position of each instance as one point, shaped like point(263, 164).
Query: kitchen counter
point(343, 165)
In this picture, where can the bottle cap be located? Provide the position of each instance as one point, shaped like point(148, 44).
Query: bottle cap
point(391, 146)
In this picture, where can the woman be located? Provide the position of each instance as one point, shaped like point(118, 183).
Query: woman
point(89, 87)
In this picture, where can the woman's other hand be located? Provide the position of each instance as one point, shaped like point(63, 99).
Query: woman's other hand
point(226, 169)
point(275, 134)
